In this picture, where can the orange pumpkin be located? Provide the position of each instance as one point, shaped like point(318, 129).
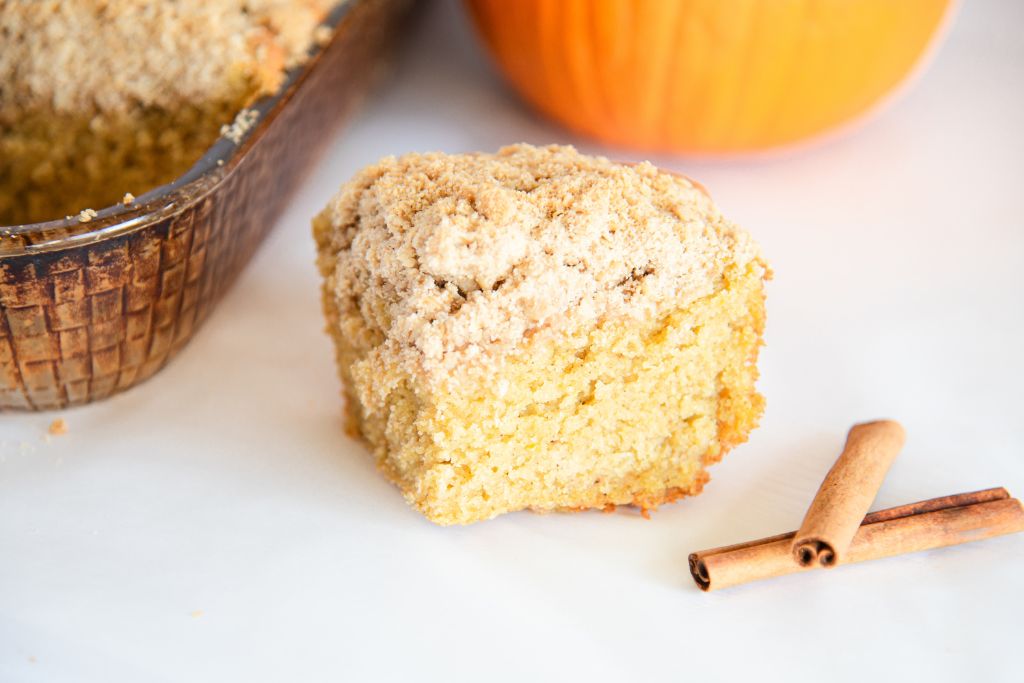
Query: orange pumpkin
point(706, 75)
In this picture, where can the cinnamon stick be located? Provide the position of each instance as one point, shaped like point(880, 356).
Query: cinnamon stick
point(847, 493)
point(928, 524)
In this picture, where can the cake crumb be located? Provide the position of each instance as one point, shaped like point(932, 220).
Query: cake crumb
point(237, 129)
point(86, 215)
point(58, 427)
point(128, 198)
point(322, 35)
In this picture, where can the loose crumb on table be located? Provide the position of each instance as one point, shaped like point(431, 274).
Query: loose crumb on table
point(58, 427)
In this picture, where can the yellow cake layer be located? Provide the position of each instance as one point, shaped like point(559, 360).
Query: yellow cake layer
point(618, 414)
point(54, 165)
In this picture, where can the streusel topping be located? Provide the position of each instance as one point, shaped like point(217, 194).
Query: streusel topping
point(116, 55)
point(455, 257)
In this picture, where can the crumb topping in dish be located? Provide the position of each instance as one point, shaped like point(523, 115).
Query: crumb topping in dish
point(103, 97)
point(116, 55)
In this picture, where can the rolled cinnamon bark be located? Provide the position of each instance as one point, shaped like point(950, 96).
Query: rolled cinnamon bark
point(934, 523)
point(847, 493)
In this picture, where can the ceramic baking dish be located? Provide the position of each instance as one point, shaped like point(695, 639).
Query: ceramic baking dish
point(87, 310)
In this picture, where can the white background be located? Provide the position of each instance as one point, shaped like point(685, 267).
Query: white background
point(214, 524)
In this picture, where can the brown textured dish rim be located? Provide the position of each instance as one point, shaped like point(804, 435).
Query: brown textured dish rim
point(211, 169)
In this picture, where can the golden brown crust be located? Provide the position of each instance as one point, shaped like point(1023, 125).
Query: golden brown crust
point(646, 503)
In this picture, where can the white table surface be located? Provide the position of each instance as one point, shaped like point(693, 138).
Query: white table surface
point(215, 524)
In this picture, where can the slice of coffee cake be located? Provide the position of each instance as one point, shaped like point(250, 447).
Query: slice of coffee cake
point(540, 329)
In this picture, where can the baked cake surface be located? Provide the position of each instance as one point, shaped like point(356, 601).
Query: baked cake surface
point(540, 329)
point(103, 97)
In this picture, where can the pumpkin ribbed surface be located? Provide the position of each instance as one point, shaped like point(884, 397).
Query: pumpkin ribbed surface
point(706, 75)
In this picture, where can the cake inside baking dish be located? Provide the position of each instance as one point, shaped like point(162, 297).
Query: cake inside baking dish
point(100, 99)
point(540, 329)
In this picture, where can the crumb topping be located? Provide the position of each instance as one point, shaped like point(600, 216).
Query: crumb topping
point(322, 35)
point(118, 55)
point(101, 96)
point(451, 258)
point(237, 129)
point(57, 427)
